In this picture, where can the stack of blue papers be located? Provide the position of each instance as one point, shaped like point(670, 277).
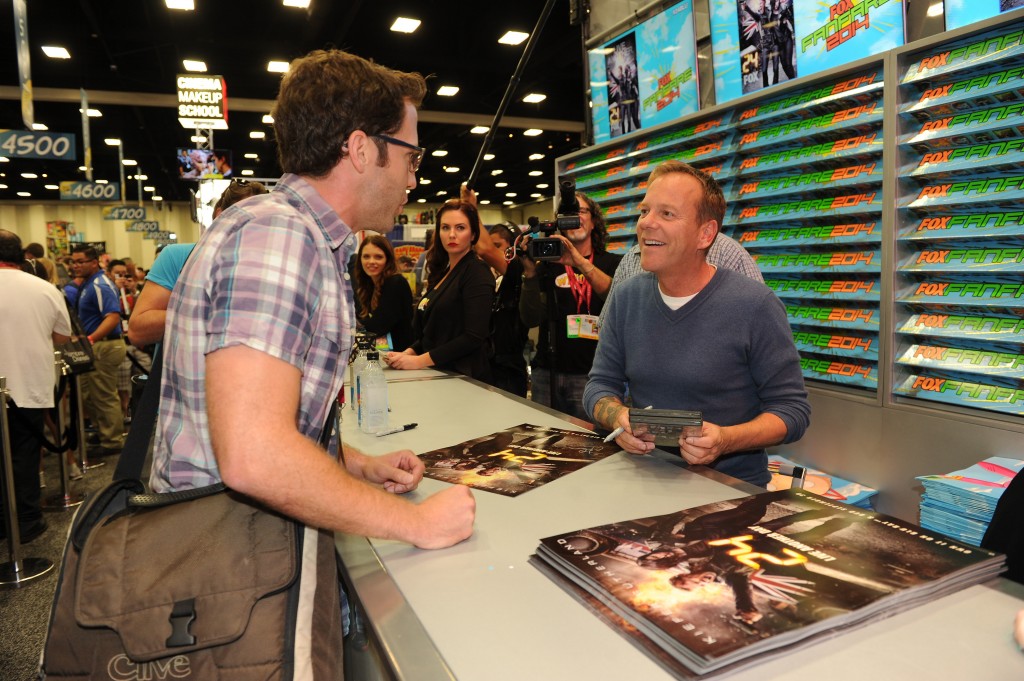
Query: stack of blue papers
point(960, 504)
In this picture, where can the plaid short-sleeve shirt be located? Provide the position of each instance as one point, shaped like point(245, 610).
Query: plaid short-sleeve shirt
point(269, 274)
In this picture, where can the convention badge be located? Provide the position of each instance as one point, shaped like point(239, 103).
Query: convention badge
point(562, 280)
point(423, 303)
point(572, 326)
point(588, 326)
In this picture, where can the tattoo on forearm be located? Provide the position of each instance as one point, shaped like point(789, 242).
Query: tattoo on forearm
point(606, 410)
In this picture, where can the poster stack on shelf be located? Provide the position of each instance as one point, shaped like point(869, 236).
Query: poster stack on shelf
point(788, 474)
point(960, 504)
point(726, 585)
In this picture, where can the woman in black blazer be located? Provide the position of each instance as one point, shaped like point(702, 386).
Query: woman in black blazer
point(383, 296)
point(453, 318)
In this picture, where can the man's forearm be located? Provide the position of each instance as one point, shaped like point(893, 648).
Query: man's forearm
point(763, 431)
point(600, 282)
point(606, 411)
point(108, 324)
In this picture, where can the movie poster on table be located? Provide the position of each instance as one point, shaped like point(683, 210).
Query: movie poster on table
point(757, 44)
point(646, 76)
point(962, 12)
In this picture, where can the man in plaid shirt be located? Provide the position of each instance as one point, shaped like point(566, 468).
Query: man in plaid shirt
point(260, 323)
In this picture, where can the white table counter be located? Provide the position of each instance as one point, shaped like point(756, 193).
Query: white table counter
point(479, 612)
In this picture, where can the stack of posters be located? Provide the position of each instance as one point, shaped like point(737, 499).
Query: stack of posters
point(787, 474)
point(517, 459)
point(960, 504)
point(725, 585)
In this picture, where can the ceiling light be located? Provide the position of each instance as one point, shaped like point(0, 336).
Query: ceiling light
point(247, 172)
point(24, 194)
point(536, 196)
point(56, 52)
point(180, 4)
point(513, 38)
point(532, 132)
point(268, 119)
point(447, 90)
point(256, 156)
point(129, 162)
point(421, 200)
point(488, 157)
point(485, 202)
point(479, 129)
point(4, 159)
point(112, 141)
point(534, 98)
point(423, 180)
point(149, 189)
point(141, 177)
point(198, 139)
point(29, 176)
point(51, 186)
point(439, 152)
point(536, 173)
point(102, 181)
point(451, 169)
point(506, 203)
point(934, 10)
point(82, 168)
point(442, 193)
point(92, 113)
point(257, 134)
point(536, 157)
point(301, 4)
point(497, 171)
point(3, 186)
point(543, 185)
point(277, 66)
point(194, 65)
point(160, 198)
point(39, 126)
point(501, 184)
point(404, 25)
point(510, 194)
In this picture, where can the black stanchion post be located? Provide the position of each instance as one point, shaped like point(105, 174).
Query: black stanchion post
point(64, 499)
point(76, 399)
point(18, 570)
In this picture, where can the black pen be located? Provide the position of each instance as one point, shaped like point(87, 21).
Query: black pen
point(399, 429)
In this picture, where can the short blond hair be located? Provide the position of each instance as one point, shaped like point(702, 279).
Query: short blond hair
point(712, 203)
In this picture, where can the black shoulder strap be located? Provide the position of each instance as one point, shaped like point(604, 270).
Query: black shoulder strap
point(136, 445)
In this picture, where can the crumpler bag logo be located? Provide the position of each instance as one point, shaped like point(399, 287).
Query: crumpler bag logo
point(202, 584)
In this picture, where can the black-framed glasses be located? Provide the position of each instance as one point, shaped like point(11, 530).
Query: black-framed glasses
point(415, 159)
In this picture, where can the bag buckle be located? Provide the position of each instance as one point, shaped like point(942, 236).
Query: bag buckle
point(182, 616)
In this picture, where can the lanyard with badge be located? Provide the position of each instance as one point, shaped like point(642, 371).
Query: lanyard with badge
point(580, 325)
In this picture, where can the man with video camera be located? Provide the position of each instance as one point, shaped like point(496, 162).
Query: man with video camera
point(563, 292)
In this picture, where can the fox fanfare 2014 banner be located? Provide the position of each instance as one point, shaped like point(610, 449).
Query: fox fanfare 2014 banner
point(645, 76)
point(761, 43)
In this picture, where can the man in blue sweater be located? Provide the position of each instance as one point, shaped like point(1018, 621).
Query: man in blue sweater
point(687, 335)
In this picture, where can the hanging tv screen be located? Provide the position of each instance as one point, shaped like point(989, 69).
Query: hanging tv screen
point(202, 164)
point(645, 76)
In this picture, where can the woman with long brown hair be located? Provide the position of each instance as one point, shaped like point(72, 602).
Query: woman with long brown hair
point(383, 296)
point(453, 317)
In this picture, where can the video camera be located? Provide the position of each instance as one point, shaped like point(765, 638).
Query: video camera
point(567, 217)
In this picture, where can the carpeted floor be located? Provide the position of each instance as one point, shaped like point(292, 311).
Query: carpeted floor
point(25, 610)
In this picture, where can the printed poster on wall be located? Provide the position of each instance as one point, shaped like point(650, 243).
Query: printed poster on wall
point(757, 44)
point(962, 12)
point(645, 76)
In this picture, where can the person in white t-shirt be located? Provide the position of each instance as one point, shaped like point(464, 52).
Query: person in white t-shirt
point(33, 318)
